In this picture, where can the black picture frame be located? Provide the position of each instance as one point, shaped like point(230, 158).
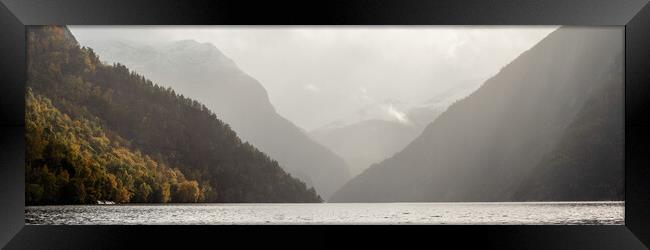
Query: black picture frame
point(15, 15)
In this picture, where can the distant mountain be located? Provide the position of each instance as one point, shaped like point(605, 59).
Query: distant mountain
point(532, 125)
point(102, 132)
point(202, 72)
point(370, 141)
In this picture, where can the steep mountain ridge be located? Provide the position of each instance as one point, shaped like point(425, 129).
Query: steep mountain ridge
point(484, 146)
point(141, 116)
point(585, 163)
point(201, 71)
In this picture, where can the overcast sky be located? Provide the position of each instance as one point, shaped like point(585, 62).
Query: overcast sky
point(318, 75)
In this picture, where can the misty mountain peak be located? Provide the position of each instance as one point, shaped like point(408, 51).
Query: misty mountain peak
point(190, 44)
point(192, 51)
point(135, 54)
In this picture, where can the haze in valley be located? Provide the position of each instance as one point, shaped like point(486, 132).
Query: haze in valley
point(362, 92)
point(318, 75)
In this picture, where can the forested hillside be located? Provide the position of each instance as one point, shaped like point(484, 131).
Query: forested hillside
point(149, 129)
point(202, 72)
point(73, 161)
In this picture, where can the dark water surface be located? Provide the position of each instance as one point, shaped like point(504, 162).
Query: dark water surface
point(514, 213)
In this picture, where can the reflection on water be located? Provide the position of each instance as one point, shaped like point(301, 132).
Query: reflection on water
point(334, 213)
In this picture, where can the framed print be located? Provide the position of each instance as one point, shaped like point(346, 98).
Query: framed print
point(503, 125)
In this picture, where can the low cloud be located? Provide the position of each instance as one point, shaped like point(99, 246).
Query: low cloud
point(399, 116)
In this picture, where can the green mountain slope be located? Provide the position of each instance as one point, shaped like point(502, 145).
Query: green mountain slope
point(73, 161)
point(171, 129)
point(203, 72)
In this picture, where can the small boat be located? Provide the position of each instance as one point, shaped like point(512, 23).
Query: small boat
point(105, 203)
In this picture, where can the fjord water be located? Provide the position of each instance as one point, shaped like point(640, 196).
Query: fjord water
point(495, 213)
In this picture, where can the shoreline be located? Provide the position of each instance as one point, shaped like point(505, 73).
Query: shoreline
point(340, 203)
